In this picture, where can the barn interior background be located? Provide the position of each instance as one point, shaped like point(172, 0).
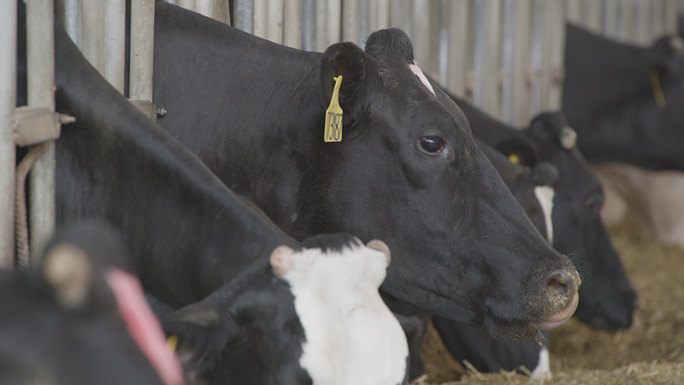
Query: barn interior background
point(505, 56)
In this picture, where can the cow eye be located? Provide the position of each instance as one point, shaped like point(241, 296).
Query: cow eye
point(595, 203)
point(432, 144)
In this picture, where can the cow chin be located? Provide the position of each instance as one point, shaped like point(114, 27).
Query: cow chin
point(508, 331)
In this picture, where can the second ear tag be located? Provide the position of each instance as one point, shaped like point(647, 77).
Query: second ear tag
point(333, 115)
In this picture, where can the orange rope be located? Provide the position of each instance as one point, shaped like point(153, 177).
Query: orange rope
point(21, 221)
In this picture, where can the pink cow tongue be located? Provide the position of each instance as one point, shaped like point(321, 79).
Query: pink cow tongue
point(144, 326)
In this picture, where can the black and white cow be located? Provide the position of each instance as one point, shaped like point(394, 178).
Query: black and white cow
point(250, 305)
point(81, 318)
point(608, 300)
point(625, 101)
point(406, 171)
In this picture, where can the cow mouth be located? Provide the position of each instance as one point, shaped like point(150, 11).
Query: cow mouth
point(561, 316)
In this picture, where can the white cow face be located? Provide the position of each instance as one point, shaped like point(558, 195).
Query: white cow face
point(351, 335)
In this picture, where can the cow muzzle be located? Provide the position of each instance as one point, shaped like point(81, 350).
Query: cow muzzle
point(561, 292)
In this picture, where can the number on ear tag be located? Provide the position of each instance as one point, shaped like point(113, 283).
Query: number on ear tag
point(333, 115)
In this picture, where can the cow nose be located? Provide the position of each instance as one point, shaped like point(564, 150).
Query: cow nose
point(563, 283)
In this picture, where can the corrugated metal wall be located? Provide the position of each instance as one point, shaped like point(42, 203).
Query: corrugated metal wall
point(503, 55)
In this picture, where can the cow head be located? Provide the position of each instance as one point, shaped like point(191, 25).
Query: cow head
point(63, 321)
point(407, 171)
point(608, 299)
point(532, 187)
point(315, 313)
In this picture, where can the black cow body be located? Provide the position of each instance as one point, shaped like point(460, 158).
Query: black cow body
point(607, 298)
point(625, 101)
point(406, 170)
point(208, 255)
point(61, 323)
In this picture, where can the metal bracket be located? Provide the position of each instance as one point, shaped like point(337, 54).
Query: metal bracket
point(148, 108)
point(33, 125)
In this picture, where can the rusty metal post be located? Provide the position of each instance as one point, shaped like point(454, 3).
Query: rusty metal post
point(41, 79)
point(8, 82)
point(142, 49)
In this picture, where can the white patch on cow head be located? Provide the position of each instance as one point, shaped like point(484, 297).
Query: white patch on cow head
point(351, 335)
point(545, 195)
point(543, 369)
point(418, 72)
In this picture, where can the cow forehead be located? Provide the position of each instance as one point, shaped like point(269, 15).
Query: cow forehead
point(347, 266)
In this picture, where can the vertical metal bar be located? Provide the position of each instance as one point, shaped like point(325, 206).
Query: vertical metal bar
point(115, 43)
point(443, 42)
point(72, 15)
point(292, 28)
point(8, 83)
point(275, 21)
point(320, 27)
point(486, 62)
point(350, 21)
point(522, 75)
point(478, 50)
point(334, 31)
point(537, 48)
point(459, 47)
point(261, 18)
point(554, 42)
point(573, 11)
point(244, 15)
point(421, 34)
point(383, 14)
point(373, 16)
point(141, 49)
point(220, 11)
point(41, 80)
point(91, 40)
point(397, 14)
point(363, 23)
point(204, 7)
point(621, 27)
point(308, 25)
point(187, 4)
point(605, 17)
point(507, 61)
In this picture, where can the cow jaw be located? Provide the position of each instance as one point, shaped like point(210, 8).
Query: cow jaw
point(143, 325)
point(351, 335)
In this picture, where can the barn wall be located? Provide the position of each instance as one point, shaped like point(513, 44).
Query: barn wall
point(505, 56)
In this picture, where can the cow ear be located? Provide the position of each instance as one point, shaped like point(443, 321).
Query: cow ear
point(518, 152)
point(350, 62)
point(380, 246)
point(201, 331)
point(670, 59)
point(282, 260)
point(69, 271)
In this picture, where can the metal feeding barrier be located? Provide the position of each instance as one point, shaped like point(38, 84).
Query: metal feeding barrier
point(504, 56)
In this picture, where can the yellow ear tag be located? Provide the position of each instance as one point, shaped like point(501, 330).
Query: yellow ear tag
point(333, 115)
point(171, 344)
point(657, 90)
point(514, 158)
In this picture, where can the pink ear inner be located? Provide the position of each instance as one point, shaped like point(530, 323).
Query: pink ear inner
point(282, 259)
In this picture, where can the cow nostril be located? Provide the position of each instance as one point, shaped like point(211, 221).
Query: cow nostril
point(560, 287)
point(562, 283)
